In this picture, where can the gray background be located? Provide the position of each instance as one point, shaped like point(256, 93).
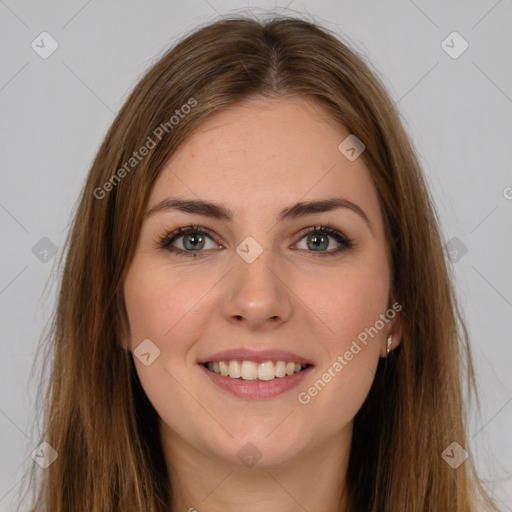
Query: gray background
point(55, 112)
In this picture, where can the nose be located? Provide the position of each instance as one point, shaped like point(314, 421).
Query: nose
point(257, 293)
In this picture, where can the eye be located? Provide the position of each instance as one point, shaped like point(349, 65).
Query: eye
point(190, 239)
point(318, 239)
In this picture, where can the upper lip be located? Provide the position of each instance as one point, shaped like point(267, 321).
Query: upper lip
point(258, 356)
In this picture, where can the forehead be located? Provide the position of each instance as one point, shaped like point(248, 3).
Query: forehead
point(266, 153)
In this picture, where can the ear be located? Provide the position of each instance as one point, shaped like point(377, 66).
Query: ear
point(394, 329)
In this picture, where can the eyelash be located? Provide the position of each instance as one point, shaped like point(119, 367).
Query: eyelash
point(166, 240)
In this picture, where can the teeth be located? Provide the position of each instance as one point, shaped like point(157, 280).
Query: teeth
point(266, 371)
point(234, 369)
point(249, 370)
point(224, 369)
point(280, 369)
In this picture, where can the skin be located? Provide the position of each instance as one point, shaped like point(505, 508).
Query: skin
point(263, 156)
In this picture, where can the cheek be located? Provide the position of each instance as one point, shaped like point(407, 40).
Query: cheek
point(158, 301)
point(162, 306)
point(350, 304)
point(357, 306)
point(349, 301)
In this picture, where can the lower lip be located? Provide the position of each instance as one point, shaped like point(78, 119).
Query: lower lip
point(256, 388)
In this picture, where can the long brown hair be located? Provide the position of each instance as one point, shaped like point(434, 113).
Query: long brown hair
point(96, 415)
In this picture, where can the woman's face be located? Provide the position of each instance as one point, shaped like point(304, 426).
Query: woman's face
point(260, 281)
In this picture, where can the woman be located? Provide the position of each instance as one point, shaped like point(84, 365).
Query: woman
point(255, 308)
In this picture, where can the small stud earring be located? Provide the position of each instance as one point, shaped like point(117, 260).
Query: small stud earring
point(388, 348)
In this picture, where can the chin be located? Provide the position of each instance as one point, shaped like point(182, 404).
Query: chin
point(264, 451)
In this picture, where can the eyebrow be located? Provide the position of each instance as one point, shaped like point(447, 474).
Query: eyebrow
point(217, 211)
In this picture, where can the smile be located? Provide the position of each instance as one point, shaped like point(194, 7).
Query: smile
point(248, 383)
point(250, 370)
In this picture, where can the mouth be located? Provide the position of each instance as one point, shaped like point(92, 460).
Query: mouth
point(255, 374)
point(247, 370)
